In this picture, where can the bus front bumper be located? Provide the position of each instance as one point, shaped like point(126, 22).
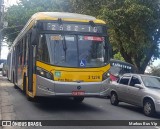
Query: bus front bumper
point(46, 87)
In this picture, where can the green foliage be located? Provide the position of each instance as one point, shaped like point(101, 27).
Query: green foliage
point(118, 56)
point(90, 7)
point(18, 15)
point(133, 23)
point(155, 70)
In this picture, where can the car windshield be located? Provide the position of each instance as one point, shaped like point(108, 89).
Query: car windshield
point(152, 82)
point(76, 51)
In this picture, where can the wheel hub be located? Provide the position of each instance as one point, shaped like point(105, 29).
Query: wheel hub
point(113, 98)
point(147, 108)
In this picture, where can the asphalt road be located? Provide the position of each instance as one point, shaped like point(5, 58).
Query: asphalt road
point(67, 109)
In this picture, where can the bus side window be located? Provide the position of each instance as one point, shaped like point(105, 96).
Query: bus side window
point(18, 53)
point(43, 54)
point(27, 47)
point(24, 50)
point(21, 51)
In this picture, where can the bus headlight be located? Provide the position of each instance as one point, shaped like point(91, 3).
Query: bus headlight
point(105, 76)
point(44, 73)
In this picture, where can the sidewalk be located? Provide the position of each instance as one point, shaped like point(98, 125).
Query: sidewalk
point(6, 107)
point(0, 107)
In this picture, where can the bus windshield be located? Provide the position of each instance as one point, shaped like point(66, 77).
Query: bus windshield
point(76, 50)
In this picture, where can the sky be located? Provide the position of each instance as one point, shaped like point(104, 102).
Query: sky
point(156, 62)
point(10, 2)
point(5, 48)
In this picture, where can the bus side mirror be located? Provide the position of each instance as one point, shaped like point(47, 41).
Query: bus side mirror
point(34, 37)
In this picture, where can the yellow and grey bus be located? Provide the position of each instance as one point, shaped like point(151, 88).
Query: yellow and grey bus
point(60, 54)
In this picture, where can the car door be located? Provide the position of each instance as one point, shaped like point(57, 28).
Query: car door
point(122, 88)
point(134, 93)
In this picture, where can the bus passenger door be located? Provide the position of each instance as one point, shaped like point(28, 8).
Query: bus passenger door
point(30, 64)
point(20, 64)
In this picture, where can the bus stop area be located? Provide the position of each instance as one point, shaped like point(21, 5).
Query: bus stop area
point(6, 105)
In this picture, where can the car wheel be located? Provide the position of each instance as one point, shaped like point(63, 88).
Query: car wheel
point(148, 108)
point(78, 99)
point(114, 99)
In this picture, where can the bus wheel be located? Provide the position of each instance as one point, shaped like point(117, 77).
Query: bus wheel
point(78, 99)
point(24, 83)
point(13, 81)
point(15, 86)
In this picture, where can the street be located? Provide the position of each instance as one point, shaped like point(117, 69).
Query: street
point(19, 108)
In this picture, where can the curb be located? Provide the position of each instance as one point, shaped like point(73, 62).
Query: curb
point(6, 106)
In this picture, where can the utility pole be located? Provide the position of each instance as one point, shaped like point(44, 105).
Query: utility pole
point(1, 22)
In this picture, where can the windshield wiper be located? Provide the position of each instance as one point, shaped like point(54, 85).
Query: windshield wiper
point(64, 46)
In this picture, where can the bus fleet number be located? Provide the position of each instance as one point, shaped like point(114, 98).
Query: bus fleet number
point(93, 77)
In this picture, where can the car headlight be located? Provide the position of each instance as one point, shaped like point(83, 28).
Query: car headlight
point(105, 75)
point(44, 73)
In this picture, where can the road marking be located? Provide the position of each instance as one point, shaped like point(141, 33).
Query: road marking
point(157, 127)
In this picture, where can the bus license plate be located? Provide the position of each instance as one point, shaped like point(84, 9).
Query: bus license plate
point(77, 93)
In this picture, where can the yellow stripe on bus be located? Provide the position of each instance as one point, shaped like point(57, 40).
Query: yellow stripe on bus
point(74, 74)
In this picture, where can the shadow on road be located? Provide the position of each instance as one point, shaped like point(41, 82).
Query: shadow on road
point(136, 109)
point(64, 104)
point(58, 104)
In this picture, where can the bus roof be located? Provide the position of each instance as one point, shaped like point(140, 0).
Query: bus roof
point(65, 16)
point(55, 16)
point(120, 62)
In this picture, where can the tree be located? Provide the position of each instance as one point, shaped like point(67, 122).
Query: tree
point(90, 7)
point(118, 56)
point(133, 25)
point(155, 71)
point(18, 15)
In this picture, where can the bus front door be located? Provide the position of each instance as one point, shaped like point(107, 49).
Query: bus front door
point(31, 64)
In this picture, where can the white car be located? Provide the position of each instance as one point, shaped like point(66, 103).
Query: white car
point(139, 90)
point(2, 61)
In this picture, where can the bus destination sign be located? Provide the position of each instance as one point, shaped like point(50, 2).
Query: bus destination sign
point(75, 27)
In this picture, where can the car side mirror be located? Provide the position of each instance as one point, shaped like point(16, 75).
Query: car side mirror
point(138, 86)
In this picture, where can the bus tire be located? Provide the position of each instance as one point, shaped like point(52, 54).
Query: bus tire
point(12, 78)
point(24, 83)
point(15, 86)
point(78, 99)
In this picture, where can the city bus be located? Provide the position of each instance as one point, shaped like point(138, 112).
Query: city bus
point(60, 54)
point(118, 68)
